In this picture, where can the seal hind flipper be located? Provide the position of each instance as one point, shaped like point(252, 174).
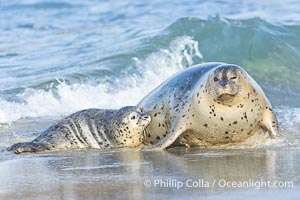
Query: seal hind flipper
point(28, 147)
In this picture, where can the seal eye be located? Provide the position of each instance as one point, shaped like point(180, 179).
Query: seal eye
point(216, 79)
point(133, 117)
point(233, 77)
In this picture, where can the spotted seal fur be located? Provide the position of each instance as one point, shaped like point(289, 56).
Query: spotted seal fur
point(91, 128)
point(208, 104)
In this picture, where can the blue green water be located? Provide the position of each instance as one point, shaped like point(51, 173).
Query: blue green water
point(58, 57)
point(99, 51)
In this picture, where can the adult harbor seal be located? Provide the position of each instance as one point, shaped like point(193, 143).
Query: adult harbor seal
point(208, 104)
point(91, 128)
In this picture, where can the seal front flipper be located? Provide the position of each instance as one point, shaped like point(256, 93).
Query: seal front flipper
point(269, 122)
point(168, 140)
point(28, 147)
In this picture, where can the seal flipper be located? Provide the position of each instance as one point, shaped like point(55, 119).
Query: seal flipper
point(269, 122)
point(168, 140)
point(28, 147)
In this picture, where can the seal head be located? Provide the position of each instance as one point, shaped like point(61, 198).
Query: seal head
point(130, 126)
point(133, 117)
point(225, 84)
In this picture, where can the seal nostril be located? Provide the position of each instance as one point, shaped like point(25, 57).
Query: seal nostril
point(223, 83)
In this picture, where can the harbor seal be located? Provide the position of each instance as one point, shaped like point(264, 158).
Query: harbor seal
point(91, 128)
point(208, 104)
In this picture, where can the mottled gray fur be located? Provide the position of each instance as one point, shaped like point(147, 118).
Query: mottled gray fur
point(91, 128)
point(207, 104)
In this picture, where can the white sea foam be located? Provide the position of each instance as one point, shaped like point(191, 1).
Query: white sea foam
point(151, 71)
point(289, 119)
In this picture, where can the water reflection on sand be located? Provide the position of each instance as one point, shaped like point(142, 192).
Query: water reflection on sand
point(123, 174)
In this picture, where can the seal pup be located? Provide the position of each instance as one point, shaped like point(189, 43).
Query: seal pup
point(208, 104)
point(91, 128)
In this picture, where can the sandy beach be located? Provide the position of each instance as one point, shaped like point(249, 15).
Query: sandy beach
point(60, 57)
point(238, 174)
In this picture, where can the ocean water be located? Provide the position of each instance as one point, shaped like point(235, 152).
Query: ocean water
point(58, 57)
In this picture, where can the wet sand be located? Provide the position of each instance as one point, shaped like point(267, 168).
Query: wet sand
point(177, 173)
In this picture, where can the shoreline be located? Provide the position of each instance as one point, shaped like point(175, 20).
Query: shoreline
point(94, 174)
